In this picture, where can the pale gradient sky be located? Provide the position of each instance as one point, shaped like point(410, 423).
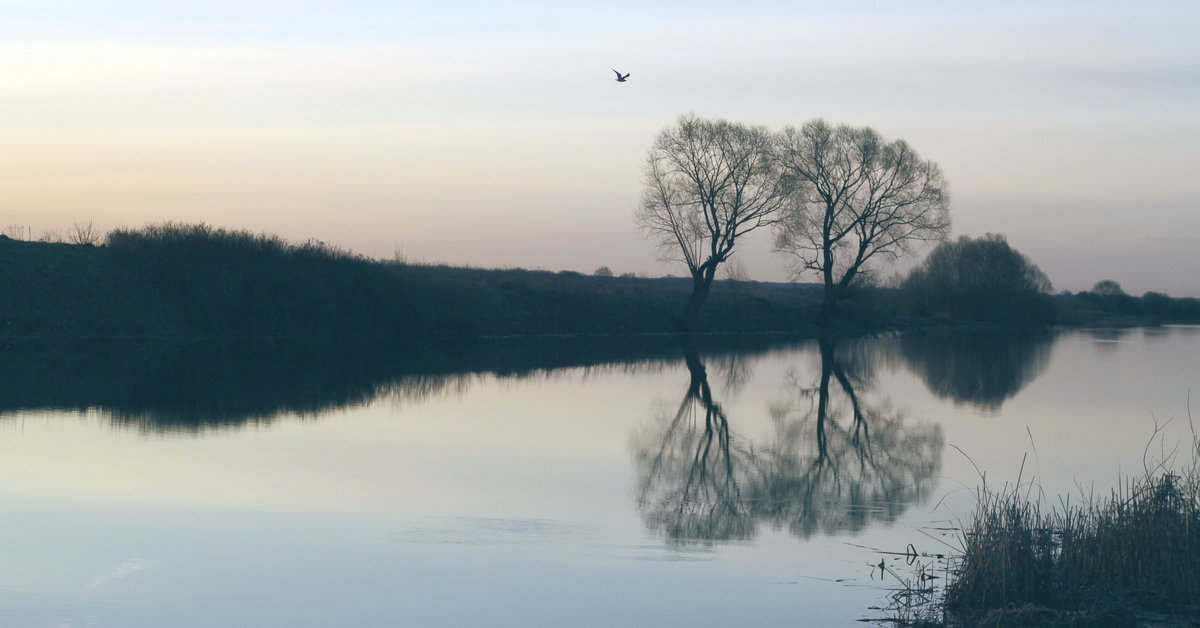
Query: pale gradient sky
point(493, 134)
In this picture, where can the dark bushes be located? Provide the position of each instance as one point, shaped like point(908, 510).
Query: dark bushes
point(234, 282)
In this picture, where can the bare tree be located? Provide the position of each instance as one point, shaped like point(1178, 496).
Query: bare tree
point(708, 183)
point(82, 233)
point(859, 198)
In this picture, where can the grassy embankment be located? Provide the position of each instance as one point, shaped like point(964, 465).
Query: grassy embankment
point(195, 281)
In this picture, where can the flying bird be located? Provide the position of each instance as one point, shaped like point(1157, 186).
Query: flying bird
point(621, 77)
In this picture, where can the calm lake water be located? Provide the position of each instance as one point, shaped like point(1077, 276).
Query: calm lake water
point(587, 483)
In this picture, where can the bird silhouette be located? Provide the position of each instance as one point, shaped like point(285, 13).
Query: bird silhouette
point(621, 77)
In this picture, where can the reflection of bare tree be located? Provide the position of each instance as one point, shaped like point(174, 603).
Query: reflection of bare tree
point(734, 371)
point(837, 462)
point(690, 488)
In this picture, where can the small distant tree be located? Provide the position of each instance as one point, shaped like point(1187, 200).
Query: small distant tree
point(981, 279)
point(1108, 288)
point(603, 271)
point(1108, 296)
point(707, 184)
point(859, 199)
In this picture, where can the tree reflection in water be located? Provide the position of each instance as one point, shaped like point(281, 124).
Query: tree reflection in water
point(691, 487)
point(982, 368)
point(194, 387)
point(837, 461)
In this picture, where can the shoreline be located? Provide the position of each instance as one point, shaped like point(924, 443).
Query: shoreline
point(197, 283)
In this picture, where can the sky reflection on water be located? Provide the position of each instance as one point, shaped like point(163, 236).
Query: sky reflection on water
point(519, 486)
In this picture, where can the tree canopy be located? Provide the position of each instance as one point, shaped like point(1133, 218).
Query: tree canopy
point(858, 198)
point(979, 279)
point(707, 184)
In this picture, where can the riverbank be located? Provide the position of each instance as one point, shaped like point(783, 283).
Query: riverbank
point(214, 284)
point(176, 281)
point(1127, 558)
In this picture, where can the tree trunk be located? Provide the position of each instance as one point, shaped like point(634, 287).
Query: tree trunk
point(701, 283)
point(826, 313)
point(825, 343)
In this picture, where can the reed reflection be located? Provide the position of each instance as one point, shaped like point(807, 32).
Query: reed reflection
point(982, 368)
point(838, 461)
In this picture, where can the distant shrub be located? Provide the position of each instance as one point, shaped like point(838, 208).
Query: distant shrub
point(18, 232)
point(1107, 297)
point(225, 281)
point(603, 271)
point(1107, 288)
point(1158, 304)
point(83, 233)
point(1162, 306)
point(981, 279)
point(51, 236)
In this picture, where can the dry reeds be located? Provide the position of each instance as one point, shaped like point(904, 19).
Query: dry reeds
point(1104, 560)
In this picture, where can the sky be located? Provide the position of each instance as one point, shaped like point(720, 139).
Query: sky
point(494, 134)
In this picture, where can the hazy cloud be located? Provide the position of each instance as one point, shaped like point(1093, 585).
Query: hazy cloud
point(123, 570)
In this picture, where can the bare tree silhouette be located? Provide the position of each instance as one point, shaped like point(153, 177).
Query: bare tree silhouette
point(838, 461)
point(708, 183)
point(858, 199)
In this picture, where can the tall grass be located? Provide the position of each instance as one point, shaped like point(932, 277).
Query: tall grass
point(1099, 562)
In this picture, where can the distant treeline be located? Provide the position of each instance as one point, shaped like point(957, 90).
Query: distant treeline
point(196, 281)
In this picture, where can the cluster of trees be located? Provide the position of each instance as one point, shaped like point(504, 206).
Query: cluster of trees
point(842, 201)
point(838, 197)
point(1107, 298)
point(979, 279)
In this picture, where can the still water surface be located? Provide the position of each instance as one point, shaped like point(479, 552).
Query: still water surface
point(553, 484)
